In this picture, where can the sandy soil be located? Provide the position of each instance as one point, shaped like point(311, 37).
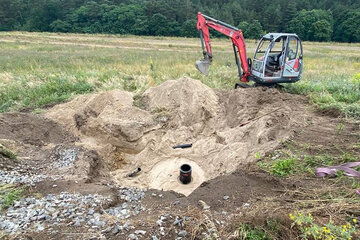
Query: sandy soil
point(227, 129)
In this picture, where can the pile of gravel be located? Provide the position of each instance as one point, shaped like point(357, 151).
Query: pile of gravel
point(14, 176)
point(51, 210)
point(70, 209)
point(64, 157)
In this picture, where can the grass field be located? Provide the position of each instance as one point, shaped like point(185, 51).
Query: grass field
point(38, 69)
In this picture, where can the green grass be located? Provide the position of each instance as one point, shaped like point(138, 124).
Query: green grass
point(247, 232)
point(295, 159)
point(22, 94)
point(37, 69)
point(7, 152)
point(9, 194)
point(283, 167)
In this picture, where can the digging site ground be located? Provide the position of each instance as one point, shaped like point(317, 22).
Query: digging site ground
point(73, 160)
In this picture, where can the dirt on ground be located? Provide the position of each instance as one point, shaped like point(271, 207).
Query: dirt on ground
point(95, 140)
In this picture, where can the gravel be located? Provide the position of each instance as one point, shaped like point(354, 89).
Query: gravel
point(71, 209)
point(64, 157)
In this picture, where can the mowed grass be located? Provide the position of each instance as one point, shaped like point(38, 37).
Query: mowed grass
point(38, 69)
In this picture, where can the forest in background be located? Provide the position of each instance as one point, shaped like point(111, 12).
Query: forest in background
point(312, 20)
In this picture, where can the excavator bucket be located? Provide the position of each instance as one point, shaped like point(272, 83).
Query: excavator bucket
point(203, 66)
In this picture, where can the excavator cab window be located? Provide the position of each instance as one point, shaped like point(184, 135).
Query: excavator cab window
point(275, 57)
point(260, 53)
point(293, 60)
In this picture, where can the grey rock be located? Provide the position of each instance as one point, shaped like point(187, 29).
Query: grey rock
point(116, 230)
point(91, 211)
point(41, 217)
point(106, 230)
point(133, 236)
point(141, 232)
point(226, 197)
point(182, 233)
point(178, 221)
point(123, 212)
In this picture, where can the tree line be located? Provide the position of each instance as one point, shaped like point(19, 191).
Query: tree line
point(314, 20)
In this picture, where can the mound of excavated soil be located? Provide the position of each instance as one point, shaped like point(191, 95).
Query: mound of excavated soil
point(226, 128)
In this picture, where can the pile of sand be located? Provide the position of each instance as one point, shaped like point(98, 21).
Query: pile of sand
point(128, 134)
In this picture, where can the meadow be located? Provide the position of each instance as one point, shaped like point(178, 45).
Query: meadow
point(41, 69)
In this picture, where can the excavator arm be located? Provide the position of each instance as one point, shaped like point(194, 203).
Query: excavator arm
point(237, 38)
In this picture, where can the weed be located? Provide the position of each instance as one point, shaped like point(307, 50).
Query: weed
point(349, 157)
point(10, 196)
point(340, 127)
point(258, 155)
point(310, 230)
point(247, 232)
point(151, 64)
point(7, 152)
point(283, 167)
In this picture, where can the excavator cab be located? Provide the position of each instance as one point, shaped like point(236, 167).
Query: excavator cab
point(277, 59)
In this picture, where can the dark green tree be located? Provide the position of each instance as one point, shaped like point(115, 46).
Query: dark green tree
point(251, 30)
point(350, 28)
point(159, 25)
point(322, 30)
point(189, 29)
point(304, 24)
point(60, 26)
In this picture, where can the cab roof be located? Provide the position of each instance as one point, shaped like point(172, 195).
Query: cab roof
point(274, 36)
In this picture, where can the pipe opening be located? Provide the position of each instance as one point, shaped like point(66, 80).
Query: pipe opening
point(185, 174)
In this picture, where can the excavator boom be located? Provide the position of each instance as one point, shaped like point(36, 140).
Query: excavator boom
point(203, 24)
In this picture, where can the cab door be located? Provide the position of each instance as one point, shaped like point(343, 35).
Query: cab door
point(293, 58)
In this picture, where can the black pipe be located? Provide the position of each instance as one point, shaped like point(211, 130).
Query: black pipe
point(185, 173)
point(188, 145)
point(135, 172)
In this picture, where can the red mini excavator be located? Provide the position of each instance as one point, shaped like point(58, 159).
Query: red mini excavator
point(278, 56)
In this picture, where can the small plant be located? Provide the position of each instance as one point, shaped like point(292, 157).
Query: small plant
point(356, 80)
point(340, 127)
point(258, 155)
point(9, 197)
point(247, 232)
point(151, 64)
point(310, 230)
point(7, 152)
point(283, 167)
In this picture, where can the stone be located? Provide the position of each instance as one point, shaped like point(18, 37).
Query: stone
point(91, 211)
point(141, 232)
point(115, 230)
point(182, 233)
point(226, 197)
point(133, 236)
